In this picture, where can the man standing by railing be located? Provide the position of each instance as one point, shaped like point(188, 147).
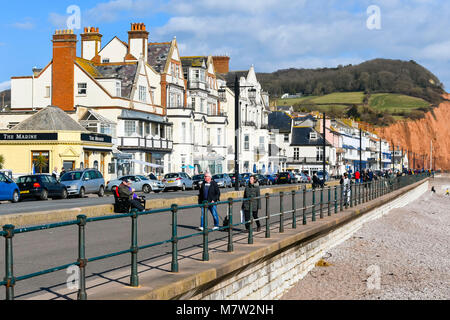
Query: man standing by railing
point(252, 191)
point(210, 192)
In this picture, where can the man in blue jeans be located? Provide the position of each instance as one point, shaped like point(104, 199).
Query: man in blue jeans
point(210, 192)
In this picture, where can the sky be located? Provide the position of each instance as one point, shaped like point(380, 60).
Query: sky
point(268, 34)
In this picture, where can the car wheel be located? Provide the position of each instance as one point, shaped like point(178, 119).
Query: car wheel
point(81, 194)
point(15, 197)
point(183, 187)
point(146, 188)
point(44, 195)
point(64, 194)
point(101, 192)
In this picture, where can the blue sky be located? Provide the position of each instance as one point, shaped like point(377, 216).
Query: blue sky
point(270, 34)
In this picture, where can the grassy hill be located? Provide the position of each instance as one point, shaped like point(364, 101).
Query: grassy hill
point(377, 109)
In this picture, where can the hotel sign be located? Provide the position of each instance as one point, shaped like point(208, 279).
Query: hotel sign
point(28, 136)
point(91, 137)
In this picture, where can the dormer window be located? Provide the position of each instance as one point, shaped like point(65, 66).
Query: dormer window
point(313, 135)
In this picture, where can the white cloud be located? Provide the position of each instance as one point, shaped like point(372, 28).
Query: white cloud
point(5, 85)
point(59, 21)
point(24, 25)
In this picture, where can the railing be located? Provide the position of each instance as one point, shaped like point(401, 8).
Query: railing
point(337, 197)
point(306, 159)
point(145, 143)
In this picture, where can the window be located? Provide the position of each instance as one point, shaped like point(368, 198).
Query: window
point(246, 142)
point(286, 137)
point(82, 88)
point(208, 135)
point(261, 143)
point(130, 127)
point(193, 103)
point(48, 91)
point(313, 135)
point(296, 153)
point(219, 136)
point(183, 130)
point(118, 89)
point(179, 100)
point(196, 74)
point(40, 160)
point(142, 93)
point(105, 60)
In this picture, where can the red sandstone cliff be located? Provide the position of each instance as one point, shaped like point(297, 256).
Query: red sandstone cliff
point(416, 136)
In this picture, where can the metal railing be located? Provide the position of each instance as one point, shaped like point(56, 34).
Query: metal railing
point(337, 197)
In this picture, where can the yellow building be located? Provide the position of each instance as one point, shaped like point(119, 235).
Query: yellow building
point(58, 141)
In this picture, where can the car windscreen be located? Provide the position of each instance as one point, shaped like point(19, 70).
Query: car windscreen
point(143, 178)
point(27, 179)
point(217, 176)
point(71, 176)
point(171, 175)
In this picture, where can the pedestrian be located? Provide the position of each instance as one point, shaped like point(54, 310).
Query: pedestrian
point(55, 173)
point(209, 191)
point(357, 176)
point(346, 189)
point(63, 171)
point(252, 191)
point(127, 192)
point(316, 181)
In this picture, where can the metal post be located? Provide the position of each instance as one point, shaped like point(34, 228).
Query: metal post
point(267, 216)
point(205, 231)
point(230, 225)
point(9, 262)
point(321, 203)
point(237, 120)
point(335, 199)
point(134, 279)
point(314, 205)
point(352, 196)
point(281, 212)
point(329, 201)
point(304, 205)
point(294, 215)
point(250, 230)
point(82, 261)
point(174, 266)
point(341, 196)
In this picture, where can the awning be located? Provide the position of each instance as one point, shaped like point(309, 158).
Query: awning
point(148, 164)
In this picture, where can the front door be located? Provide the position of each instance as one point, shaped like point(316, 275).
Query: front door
point(86, 159)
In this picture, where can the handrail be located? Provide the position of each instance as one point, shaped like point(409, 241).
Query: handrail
point(358, 193)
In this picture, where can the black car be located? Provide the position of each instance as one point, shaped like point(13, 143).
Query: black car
point(197, 181)
point(233, 180)
point(285, 177)
point(41, 186)
point(262, 180)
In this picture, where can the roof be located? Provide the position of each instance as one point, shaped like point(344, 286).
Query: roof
point(300, 137)
point(158, 54)
point(193, 61)
point(50, 118)
point(89, 67)
point(125, 72)
point(280, 120)
point(230, 76)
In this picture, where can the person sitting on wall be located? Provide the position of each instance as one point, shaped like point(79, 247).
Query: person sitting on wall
point(125, 191)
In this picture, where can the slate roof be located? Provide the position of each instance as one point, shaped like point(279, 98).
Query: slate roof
point(50, 118)
point(300, 137)
point(230, 76)
point(280, 120)
point(158, 54)
point(193, 61)
point(125, 72)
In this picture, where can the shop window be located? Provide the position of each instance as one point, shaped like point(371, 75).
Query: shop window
point(40, 161)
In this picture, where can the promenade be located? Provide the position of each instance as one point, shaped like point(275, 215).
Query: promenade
point(402, 255)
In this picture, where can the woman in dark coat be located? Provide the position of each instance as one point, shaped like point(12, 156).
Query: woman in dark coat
point(252, 191)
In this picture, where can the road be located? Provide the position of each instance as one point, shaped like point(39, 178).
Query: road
point(44, 249)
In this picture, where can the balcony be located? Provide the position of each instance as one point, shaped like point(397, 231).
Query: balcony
point(249, 124)
point(307, 160)
point(197, 84)
point(150, 144)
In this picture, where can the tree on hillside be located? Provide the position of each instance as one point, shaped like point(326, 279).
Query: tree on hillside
point(353, 112)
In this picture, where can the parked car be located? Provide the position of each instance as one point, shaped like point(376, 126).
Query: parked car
point(262, 180)
point(271, 178)
point(320, 175)
point(223, 180)
point(41, 186)
point(82, 182)
point(139, 182)
point(302, 178)
point(233, 180)
point(178, 181)
point(198, 180)
point(285, 177)
point(8, 189)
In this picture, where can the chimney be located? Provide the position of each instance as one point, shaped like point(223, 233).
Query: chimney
point(91, 42)
point(221, 64)
point(64, 55)
point(137, 42)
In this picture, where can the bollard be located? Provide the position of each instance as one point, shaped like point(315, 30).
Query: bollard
point(82, 261)
point(294, 218)
point(335, 200)
point(329, 201)
point(9, 262)
point(230, 225)
point(313, 205)
point(134, 280)
point(205, 256)
point(304, 205)
point(321, 203)
point(281, 212)
point(267, 216)
point(250, 230)
point(174, 265)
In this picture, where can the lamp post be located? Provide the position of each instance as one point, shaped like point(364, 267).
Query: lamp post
point(360, 150)
point(324, 146)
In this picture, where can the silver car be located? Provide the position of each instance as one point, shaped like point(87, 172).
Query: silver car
point(223, 180)
point(82, 182)
point(178, 181)
point(138, 182)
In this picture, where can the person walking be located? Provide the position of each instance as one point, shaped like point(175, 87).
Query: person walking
point(209, 191)
point(357, 176)
point(346, 184)
point(252, 191)
point(63, 171)
point(55, 173)
point(315, 181)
